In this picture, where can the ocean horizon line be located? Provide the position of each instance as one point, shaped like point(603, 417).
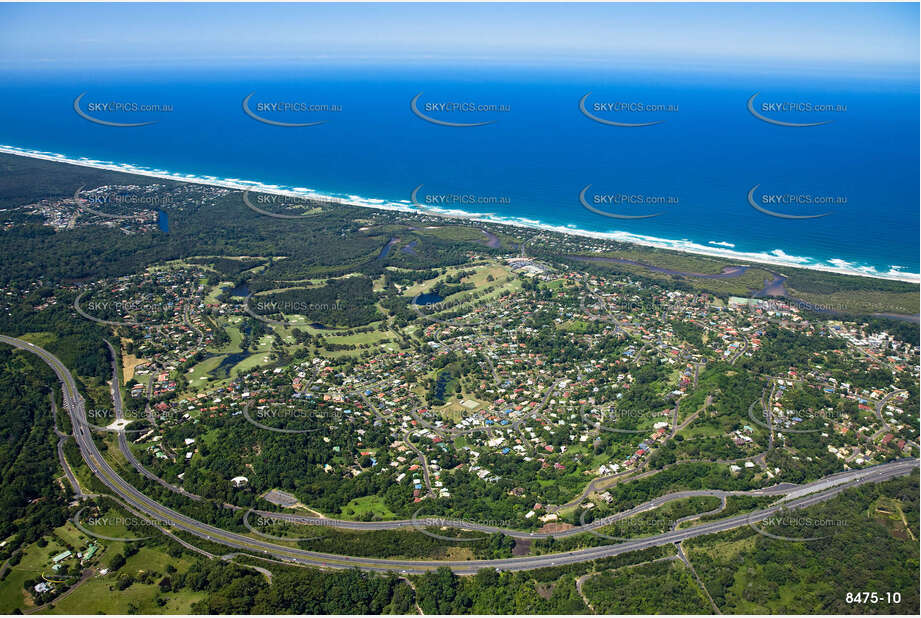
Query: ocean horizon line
point(718, 248)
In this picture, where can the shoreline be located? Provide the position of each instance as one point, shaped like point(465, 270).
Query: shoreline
point(717, 249)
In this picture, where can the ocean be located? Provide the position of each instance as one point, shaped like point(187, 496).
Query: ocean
point(713, 175)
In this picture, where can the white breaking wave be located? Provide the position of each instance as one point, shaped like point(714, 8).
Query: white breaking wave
point(774, 257)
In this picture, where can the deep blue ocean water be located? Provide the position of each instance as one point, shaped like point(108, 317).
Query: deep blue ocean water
point(533, 160)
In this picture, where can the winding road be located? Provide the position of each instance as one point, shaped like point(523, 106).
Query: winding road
point(801, 497)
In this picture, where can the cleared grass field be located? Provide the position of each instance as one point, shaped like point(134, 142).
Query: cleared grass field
point(863, 301)
point(34, 561)
point(94, 595)
point(99, 594)
point(41, 339)
point(367, 504)
point(452, 232)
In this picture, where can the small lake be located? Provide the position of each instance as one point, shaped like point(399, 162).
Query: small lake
point(228, 362)
point(428, 299)
point(163, 221)
point(241, 291)
point(441, 385)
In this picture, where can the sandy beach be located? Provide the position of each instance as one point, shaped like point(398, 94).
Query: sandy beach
point(774, 258)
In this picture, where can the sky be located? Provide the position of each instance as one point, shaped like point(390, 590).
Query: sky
point(162, 34)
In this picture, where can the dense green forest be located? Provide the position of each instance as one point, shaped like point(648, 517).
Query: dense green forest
point(340, 267)
point(743, 572)
point(666, 587)
point(30, 498)
point(861, 549)
point(308, 247)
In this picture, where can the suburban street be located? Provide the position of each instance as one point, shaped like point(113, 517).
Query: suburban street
point(796, 497)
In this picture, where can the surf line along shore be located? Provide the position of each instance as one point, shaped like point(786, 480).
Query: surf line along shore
point(679, 246)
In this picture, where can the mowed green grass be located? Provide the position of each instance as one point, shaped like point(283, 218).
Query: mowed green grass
point(34, 561)
point(552, 285)
point(111, 523)
point(504, 282)
point(37, 560)
point(100, 595)
point(702, 428)
point(452, 232)
point(261, 356)
point(233, 332)
point(206, 368)
point(215, 291)
point(367, 504)
point(479, 278)
point(203, 370)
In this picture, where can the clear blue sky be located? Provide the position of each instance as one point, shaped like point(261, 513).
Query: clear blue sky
point(113, 34)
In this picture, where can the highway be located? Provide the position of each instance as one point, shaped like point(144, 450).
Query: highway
point(62, 438)
point(783, 491)
point(123, 445)
point(162, 515)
